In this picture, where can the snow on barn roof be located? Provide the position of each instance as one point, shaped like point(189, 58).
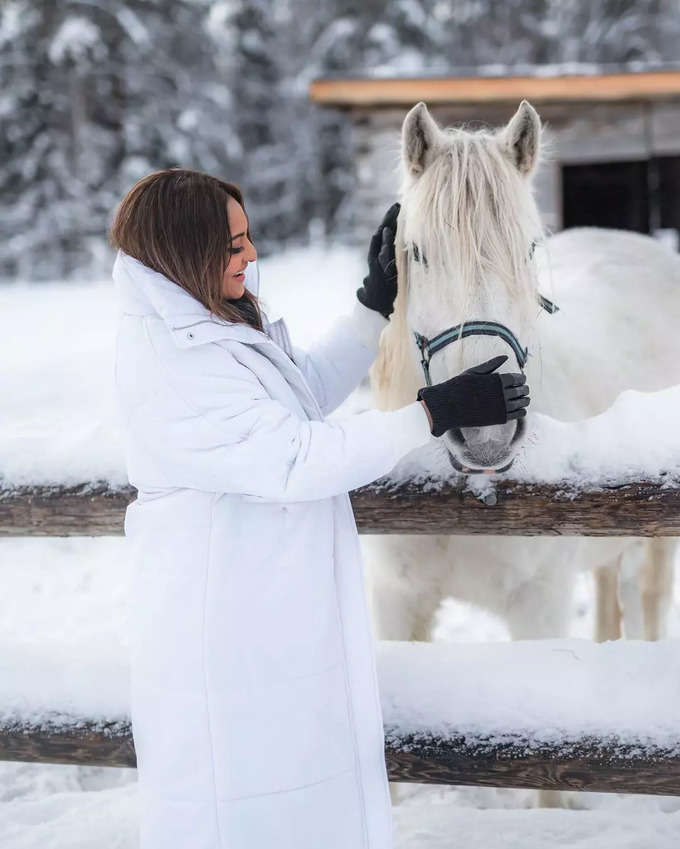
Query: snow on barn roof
point(494, 83)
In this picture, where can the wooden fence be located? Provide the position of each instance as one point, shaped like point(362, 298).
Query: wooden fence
point(628, 509)
point(586, 764)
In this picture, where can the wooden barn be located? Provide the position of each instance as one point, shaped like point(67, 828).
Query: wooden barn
point(614, 139)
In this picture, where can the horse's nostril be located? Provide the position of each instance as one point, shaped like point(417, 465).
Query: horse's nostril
point(457, 436)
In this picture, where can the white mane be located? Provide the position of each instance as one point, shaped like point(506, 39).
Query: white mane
point(471, 214)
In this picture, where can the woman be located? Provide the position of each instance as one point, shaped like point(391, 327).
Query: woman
point(254, 699)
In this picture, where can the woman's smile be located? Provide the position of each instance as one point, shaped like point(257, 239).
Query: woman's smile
point(242, 251)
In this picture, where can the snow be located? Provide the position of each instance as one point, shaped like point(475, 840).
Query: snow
point(63, 632)
point(62, 426)
point(65, 599)
point(516, 69)
point(73, 39)
point(105, 819)
point(58, 371)
point(63, 628)
point(441, 827)
point(633, 440)
point(63, 609)
point(537, 689)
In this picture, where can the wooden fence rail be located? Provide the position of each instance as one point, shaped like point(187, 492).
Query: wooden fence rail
point(604, 764)
point(581, 764)
point(627, 509)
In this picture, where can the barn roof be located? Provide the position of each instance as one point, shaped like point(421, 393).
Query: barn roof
point(538, 84)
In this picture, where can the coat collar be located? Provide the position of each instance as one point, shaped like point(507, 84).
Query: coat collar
point(143, 291)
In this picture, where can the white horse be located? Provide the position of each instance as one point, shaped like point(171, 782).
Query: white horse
point(467, 234)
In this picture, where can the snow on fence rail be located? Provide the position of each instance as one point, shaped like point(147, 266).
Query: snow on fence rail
point(615, 474)
point(630, 508)
point(586, 764)
point(557, 714)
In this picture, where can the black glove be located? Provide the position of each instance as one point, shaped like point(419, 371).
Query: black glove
point(380, 285)
point(476, 398)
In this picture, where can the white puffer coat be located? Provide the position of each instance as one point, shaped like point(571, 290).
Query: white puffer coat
point(254, 698)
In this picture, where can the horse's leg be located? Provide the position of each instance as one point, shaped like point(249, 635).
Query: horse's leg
point(539, 608)
point(525, 581)
point(631, 562)
point(403, 615)
point(607, 610)
point(403, 581)
point(657, 585)
point(532, 591)
point(645, 587)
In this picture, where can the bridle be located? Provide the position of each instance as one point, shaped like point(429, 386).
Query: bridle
point(430, 346)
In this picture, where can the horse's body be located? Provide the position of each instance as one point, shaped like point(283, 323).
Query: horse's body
point(616, 329)
point(606, 338)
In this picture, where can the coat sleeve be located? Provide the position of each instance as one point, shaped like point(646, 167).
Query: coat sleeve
point(228, 435)
point(336, 365)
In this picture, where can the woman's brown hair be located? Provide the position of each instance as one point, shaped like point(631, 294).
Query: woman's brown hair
point(175, 221)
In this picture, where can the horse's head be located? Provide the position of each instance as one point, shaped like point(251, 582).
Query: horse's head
point(465, 238)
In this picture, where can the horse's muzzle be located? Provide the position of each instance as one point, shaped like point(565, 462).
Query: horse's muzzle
point(484, 450)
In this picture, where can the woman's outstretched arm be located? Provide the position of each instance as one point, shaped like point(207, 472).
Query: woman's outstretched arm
point(235, 438)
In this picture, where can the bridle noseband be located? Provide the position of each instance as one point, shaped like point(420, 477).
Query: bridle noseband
point(428, 347)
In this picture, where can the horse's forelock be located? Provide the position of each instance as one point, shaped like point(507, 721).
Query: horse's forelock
point(471, 213)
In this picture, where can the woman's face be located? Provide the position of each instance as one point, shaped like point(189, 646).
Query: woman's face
point(242, 251)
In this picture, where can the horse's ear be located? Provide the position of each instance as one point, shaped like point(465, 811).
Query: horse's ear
point(522, 138)
point(419, 139)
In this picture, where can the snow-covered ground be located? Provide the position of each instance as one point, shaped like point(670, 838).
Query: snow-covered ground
point(63, 607)
point(62, 610)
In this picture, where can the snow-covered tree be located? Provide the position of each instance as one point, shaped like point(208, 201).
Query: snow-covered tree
point(96, 93)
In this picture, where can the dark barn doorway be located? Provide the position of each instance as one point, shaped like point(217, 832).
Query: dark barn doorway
point(643, 195)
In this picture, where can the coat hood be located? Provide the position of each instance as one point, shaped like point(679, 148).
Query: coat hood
point(143, 291)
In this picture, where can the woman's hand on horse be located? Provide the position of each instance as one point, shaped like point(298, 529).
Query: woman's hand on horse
point(515, 387)
point(379, 288)
point(477, 397)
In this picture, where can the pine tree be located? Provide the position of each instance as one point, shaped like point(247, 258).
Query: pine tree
point(96, 94)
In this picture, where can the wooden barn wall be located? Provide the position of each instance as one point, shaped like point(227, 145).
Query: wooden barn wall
point(575, 133)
